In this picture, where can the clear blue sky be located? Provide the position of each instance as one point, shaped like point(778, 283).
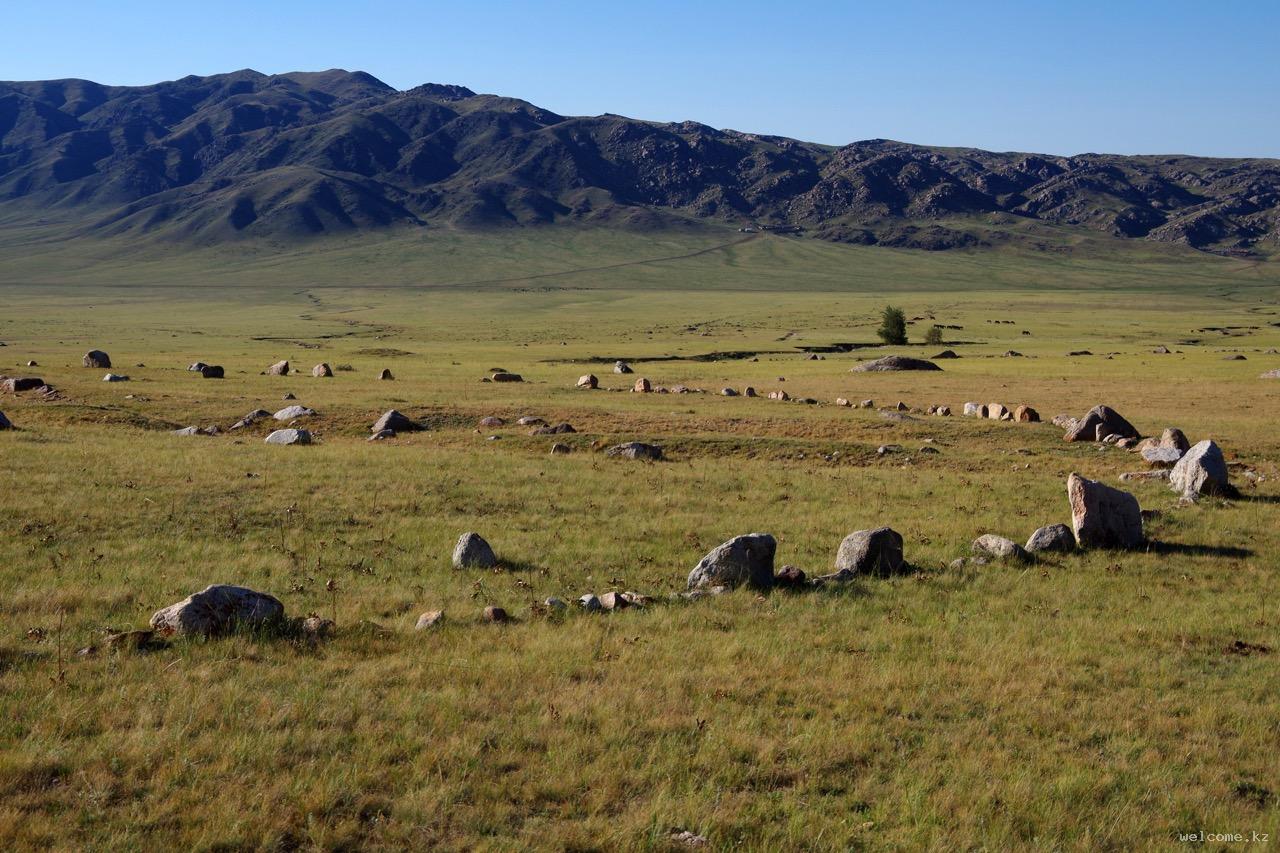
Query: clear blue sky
point(1125, 76)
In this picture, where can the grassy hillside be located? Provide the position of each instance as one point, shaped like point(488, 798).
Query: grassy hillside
point(1101, 700)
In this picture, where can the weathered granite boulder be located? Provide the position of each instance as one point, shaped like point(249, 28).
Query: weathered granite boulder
point(1103, 517)
point(216, 610)
point(473, 552)
point(1202, 470)
point(876, 552)
point(742, 560)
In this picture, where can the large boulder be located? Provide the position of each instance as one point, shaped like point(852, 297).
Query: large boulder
point(322, 371)
point(991, 545)
point(289, 436)
point(16, 384)
point(895, 362)
point(974, 410)
point(588, 380)
point(289, 413)
point(743, 559)
point(216, 610)
point(472, 552)
point(1051, 537)
point(636, 450)
point(1202, 470)
point(1098, 423)
point(393, 420)
point(280, 368)
point(96, 358)
point(997, 412)
point(642, 386)
point(1103, 517)
point(1026, 415)
point(875, 552)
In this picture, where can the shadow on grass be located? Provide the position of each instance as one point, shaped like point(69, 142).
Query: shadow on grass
point(1257, 499)
point(1177, 548)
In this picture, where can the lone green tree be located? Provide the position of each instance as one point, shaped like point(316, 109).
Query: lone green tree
point(933, 337)
point(893, 326)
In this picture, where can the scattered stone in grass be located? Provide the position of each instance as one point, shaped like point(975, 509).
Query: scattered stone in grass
point(614, 601)
point(590, 603)
point(1098, 423)
point(212, 371)
point(946, 353)
point(1013, 353)
point(216, 610)
point(316, 628)
point(789, 577)
point(867, 404)
point(1162, 457)
point(749, 392)
point(32, 364)
point(289, 436)
point(642, 386)
point(728, 392)
point(5, 423)
point(1051, 537)
point(877, 551)
point(742, 560)
point(506, 377)
point(843, 403)
point(997, 412)
point(96, 358)
point(382, 435)
point(1271, 374)
point(1202, 470)
point(621, 367)
point(687, 838)
point(1144, 476)
point(779, 395)
point(115, 377)
point(886, 449)
point(288, 396)
point(473, 552)
point(495, 615)
point(558, 429)
point(386, 375)
point(529, 420)
point(1161, 350)
point(322, 371)
point(280, 368)
point(559, 449)
point(554, 604)
point(289, 413)
point(1026, 415)
point(636, 450)
point(191, 430)
point(492, 421)
point(893, 363)
point(589, 381)
point(974, 410)
point(942, 411)
point(429, 619)
point(991, 545)
point(1103, 517)
point(930, 450)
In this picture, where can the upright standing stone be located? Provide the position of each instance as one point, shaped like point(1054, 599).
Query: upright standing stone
point(1202, 470)
point(472, 552)
point(1103, 517)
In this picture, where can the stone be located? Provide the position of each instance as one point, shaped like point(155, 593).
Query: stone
point(1162, 457)
point(588, 380)
point(974, 410)
point(17, 384)
point(742, 560)
point(943, 411)
point(558, 429)
point(33, 363)
point(191, 430)
point(559, 449)
point(492, 421)
point(322, 371)
point(288, 396)
point(749, 392)
point(642, 386)
point(894, 362)
point(217, 610)
point(614, 601)
point(250, 419)
point(842, 402)
point(590, 603)
point(115, 377)
point(1026, 415)
point(289, 436)
point(495, 615)
point(728, 392)
point(877, 552)
point(212, 371)
point(998, 547)
point(385, 375)
point(1143, 476)
point(1051, 537)
point(1098, 423)
point(289, 413)
point(382, 435)
point(1271, 374)
point(1013, 353)
point(280, 368)
point(1127, 443)
point(5, 423)
point(1161, 350)
point(636, 450)
point(946, 353)
point(1103, 517)
point(789, 577)
point(1236, 357)
point(472, 552)
point(529, 420)
point(197, 366)
point(429, 619)
point(779, 395)
point(1202, 470)
point(507, 377)
point(902, 407)
point(997, 412)
point(1174, 438)
point(621, 367)
point(553, 603)
point(96, 358)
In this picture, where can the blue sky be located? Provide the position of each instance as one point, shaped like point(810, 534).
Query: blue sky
point(1056, 77)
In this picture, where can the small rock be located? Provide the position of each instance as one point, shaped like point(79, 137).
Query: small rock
point(1026, 415)
point(429, 619)
point(289, 413)
point(280, 368)
point(614, 601)
point(894, 362)
point(642, 386)
point(588, 380)
point(728, 392)
point(529, 420)
point(492, 421)
point(1162, 457)
point(473, 552)
point(115, 377)
point(495, 615)
point(789, 577)
point(590, 603)
point(841, 401)
point(621, 367)
point(322, 371)
point(382, 435)
point(96, 358)
point(636, 450)
point(554, 603)
point(559, 449)
point(288, 396)
point(385, 375)
point(749, 392)
point(1052, 537)
point(289, 436)
point(507, 377)
point(991, 545)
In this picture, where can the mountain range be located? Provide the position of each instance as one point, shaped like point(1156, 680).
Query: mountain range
point(288, 156)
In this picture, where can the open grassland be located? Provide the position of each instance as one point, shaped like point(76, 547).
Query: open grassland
point(1094, 700)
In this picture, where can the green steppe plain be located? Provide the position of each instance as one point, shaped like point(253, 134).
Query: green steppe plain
point(1090, 701)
